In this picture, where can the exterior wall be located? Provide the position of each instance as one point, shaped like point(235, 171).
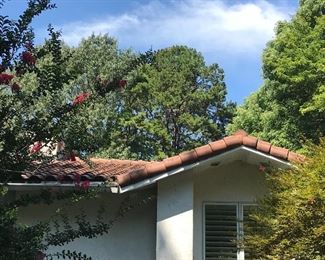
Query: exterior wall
point(175, 218)
point(172, 227)
point(180, 204)
point(236, 182)
point(133, 237)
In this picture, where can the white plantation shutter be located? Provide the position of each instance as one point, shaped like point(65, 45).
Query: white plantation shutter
point(220, 231)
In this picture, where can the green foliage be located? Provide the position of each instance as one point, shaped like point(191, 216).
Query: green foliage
point(67, 254)
point(106, 66)
point(289, 223)
point(22, 121)
point(14, 34)
point(317, 104)
point(35, 111)
point(42, 108)
point(41, 97)
point(289, 108)
point(172, 103)
point(21, 241)
point(170, 100)
point(167, 102)
point(98, 57)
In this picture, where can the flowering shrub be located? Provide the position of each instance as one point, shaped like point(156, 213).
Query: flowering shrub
point(72, 157)
point(36, 147)
point(37, 117)
point(15, 87)
point(28, 58)
point(5, 78)
point(122, 83)
point(77, 179)
point(80, 99)
point(85, 184)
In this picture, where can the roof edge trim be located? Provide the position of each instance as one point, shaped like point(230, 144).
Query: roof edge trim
point(54, 184)
point(152, 180)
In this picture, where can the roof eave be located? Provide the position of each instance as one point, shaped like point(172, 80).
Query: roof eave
point(155, 179)
point(113, 188)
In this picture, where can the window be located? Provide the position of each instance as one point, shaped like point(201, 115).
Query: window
point(223, 225)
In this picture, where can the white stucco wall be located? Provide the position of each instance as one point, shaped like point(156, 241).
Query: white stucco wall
point(133, 237)
point(180, 202)
point(235, 182)
point(175, 218)
point(170, 228)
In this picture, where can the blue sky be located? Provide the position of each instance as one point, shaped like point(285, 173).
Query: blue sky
point(232, 33)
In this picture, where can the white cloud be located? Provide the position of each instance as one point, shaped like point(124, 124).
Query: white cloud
point(210, 26)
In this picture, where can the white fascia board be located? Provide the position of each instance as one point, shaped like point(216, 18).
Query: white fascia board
point(219, 157)
point(155, 179)
point(149, 181)
point(54, 184)
point(267, 156)
point(164, 175)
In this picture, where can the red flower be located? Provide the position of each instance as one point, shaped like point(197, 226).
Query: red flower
point(5, 78)
point(262, 168)
point(15, 87)
point(122, 83)
point(36, 147)
point(85, 184)
point(77, 179)
point(60, 178)
point(28, 58)
point(72, 157)
point(80, 98)
point(40, 255)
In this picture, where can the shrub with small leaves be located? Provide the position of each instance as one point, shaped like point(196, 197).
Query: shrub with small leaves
point(290, 222)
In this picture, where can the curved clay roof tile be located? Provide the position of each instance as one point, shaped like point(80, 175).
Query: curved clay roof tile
point(125, 172)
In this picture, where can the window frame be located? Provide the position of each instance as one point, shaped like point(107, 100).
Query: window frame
point(240, 218)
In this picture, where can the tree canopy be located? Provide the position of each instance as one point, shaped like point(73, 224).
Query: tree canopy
point(288, 110)
point(105, 69)
point(173, 102)
point(289, 107)
point(98, 100)
point(103, 101)
point(40, 98)
point(169, 102)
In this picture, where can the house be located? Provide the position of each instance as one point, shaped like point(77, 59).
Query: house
point(200, 198)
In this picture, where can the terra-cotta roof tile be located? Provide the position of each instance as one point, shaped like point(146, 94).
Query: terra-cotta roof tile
point(203, 151)
point(218, 146)
point(263, 146)
point(125, 172)
point(250, 141)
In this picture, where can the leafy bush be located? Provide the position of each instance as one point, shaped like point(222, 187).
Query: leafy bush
point(290, 223)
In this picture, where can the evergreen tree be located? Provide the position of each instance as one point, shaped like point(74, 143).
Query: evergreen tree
point(174, 102)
